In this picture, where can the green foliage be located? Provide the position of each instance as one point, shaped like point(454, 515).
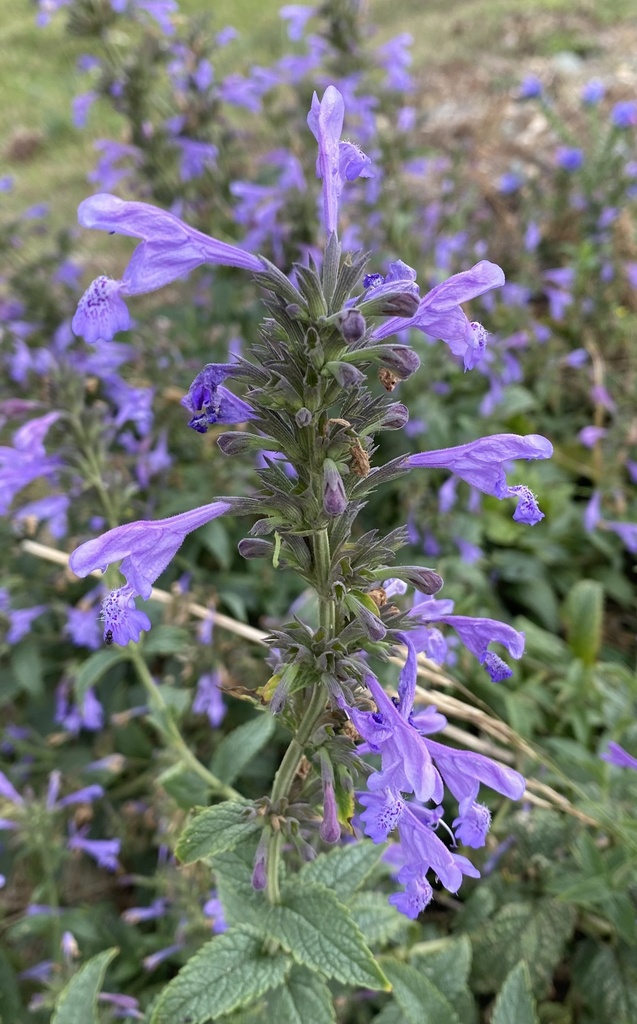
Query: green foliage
point(217, 829)
point(515, 1000)
point(77, 1003)
point(230, 971)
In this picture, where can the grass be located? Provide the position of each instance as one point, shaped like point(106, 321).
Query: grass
point(38, 78)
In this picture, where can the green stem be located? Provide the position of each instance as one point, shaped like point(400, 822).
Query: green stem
point(171, 732)
point(316, 705)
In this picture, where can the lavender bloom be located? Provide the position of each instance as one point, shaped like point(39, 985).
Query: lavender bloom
point(476, 634)
point(27, 459)
point(337, 161)
point(297, 16)
point(627, 532)
point(196, 157)
point(589, 436)
point(593, 512)
point(569, 158)
point(592, 92)
point(481, 463)
point(145, 548)
point(618, 756)
point(210, 403)
point(155, 959)
point(103, 851)
point(20, 620)
point(81, 107)
point(531, 88)
point(169, 249)
point(209, 700)
point(624, 114)
point(440, 315)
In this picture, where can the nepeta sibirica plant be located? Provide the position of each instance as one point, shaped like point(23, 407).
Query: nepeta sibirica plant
point(308, 401)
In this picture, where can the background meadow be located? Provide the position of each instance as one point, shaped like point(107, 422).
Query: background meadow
point(499, 131)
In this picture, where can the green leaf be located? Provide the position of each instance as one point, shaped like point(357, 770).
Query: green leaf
point(344, 869)
point(216, 829)
point(515, 1001)
point(27, 668)
point(238, 748)
point(228, 972)
point(535, 932)
point(10, 989)
point(584, 609)
point(606, 979)
point(77, 1002)
point(304, 999)
point(187, 789)
point(166, 640)
point(390, 1014)
point(94, 668)
point(378, 920)
point(319, 932)
point(419, 999)
point(446, 962)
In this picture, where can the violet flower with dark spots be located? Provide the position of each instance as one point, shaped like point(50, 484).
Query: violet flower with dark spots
point(169, 249)
point(481, 463)
point(209, 403)
point(144, 548)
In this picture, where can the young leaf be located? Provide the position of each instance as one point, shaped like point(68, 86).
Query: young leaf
point(77, 1002)
point(419, 999)
point(584, 610)
point(344, 869)
point(228, 972)
point(237, 748)
point(515, 1001)
point(216, 829)
point(319, 932)
point(303, 999)
point(94, 668)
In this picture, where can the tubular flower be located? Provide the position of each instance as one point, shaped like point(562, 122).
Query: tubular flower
point(337, 161)
point(169, 249)
point(144, 549)
point(481, 463)
point(440, 314)
point(209, 403)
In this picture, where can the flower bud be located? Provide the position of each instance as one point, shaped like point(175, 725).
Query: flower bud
point(255, 547)
point(400, 359)
point(334, 497)
point(303, 417)
point(351, 324)
point(427, 581)
point(330, 830)
point(395, 417)
point(259, 874)
point(348, 376)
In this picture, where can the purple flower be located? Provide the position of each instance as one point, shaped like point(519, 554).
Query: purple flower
point(481, 463)
point(593, 512)
point(209, 403)
point(144, 548)
point(569, 158)
point(476, 634)
point(27, 459)
point(20, 620)
point(168, 250)
point(530, 88)
point(624, 114)
point(440, 314)
point(209, 700)
point(627, 532)
point(337, 161)
point(589, 436)
point(196, 157)
point(592, 92)
point(297, 16)
point(103, 851)
point(81, 106)
point(618, 756)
